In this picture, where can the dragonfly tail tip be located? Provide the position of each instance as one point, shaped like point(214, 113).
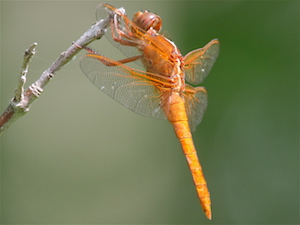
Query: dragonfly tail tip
point(208, 214)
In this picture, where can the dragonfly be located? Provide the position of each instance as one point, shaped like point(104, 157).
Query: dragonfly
point(167, 88)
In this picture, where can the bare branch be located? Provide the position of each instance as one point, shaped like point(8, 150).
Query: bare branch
point(27, 58)
point(22, 100)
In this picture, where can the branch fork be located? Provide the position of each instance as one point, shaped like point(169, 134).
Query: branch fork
point(20, 103)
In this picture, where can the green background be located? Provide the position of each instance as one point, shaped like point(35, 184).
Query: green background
point(80, 157)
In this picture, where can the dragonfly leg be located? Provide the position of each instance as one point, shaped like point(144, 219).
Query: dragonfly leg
point(109, 62)
point(124, 38)
point(131, 59)
point(115, 63)
point(127, 60)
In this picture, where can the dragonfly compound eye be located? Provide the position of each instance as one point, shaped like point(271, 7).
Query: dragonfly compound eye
point(147, 20)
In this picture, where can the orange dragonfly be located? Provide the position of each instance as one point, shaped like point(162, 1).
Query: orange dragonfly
point(162, 90)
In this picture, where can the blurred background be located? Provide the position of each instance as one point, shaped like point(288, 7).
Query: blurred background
point(80, 157)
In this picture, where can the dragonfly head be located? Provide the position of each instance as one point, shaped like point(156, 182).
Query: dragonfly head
point(147, 20)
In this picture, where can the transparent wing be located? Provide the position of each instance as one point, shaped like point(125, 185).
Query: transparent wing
point(136, 90)
point(195, 104)
point(198, 63)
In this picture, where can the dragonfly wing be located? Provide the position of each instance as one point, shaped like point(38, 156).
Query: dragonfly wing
point(127, 86)
point(198, 63)
point(195, 104)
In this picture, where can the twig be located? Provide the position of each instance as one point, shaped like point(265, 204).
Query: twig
point(19, 93)
point(22, 100)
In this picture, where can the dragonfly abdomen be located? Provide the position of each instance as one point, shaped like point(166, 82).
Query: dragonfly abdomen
point(176, 114)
